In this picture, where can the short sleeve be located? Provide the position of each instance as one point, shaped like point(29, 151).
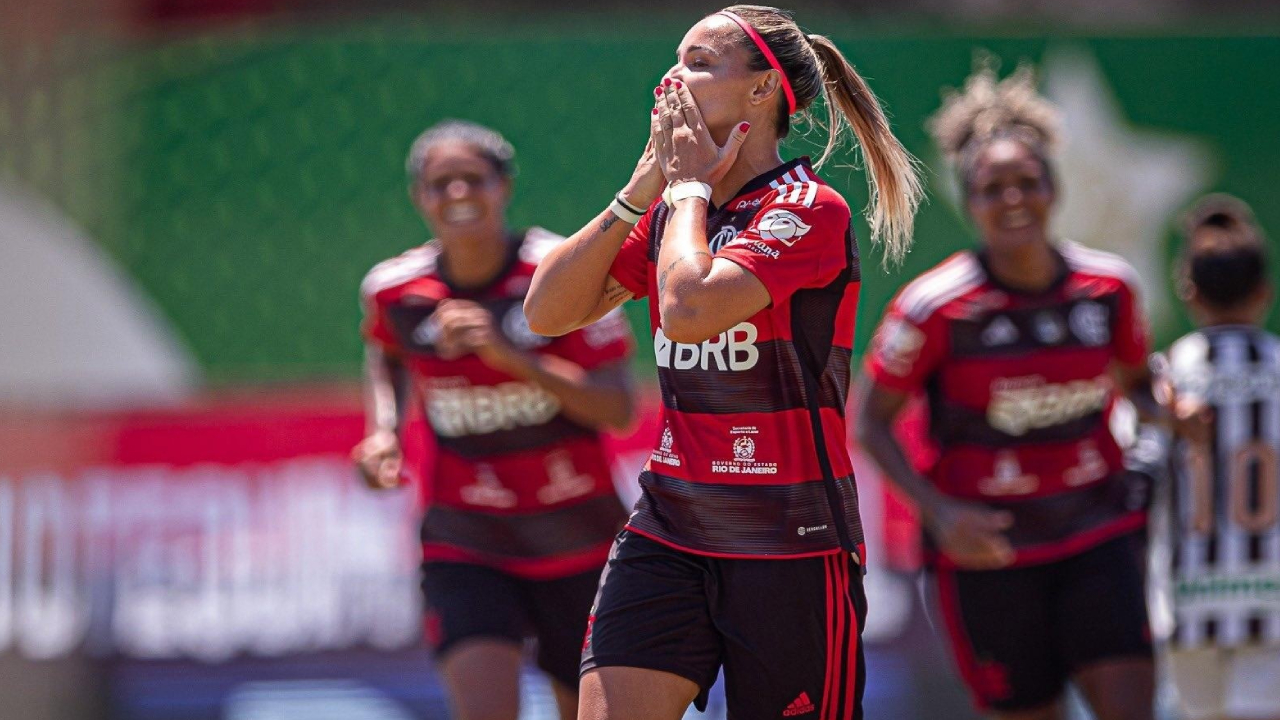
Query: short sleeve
point(631, 265)
point(1132, 335)
point(798, 239)
point(905, 353)
point(374, 326)
point(600, 343)
point(379, 282)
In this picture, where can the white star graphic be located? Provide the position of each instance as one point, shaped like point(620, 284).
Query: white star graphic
point(1120, 185)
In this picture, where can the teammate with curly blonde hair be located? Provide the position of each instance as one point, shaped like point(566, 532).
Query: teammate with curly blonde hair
point(1018, 346)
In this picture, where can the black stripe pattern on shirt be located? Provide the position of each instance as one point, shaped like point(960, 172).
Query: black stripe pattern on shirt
point(742, 519)
point(1067, 325)
point(556, 532)
point(1059, 517)
point(957, 424)
point(813, 325)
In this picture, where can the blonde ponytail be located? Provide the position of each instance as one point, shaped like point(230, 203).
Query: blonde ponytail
point(893, 177)
point(814, 66)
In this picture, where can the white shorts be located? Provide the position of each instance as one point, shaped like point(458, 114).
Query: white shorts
point(1238, 683)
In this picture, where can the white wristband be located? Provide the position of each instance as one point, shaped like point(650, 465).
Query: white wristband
point(624, 213)
point(681, 191)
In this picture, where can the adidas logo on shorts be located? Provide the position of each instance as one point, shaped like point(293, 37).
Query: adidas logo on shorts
point(799, 706)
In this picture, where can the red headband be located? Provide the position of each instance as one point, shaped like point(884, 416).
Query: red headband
point(768, 55)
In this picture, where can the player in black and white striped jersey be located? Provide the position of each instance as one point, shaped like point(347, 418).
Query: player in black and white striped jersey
point(1220, 550)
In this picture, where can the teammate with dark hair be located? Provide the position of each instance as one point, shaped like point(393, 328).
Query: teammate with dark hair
point(744, 550)
point(1218, 552)
point(521, 508)
point(1017, 347)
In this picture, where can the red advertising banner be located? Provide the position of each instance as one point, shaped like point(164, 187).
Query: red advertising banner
point(238, 526)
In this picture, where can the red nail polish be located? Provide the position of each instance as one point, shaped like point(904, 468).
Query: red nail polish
point(666, 81)
point(655, 111)
point(657, 92)
point(679, 85)
point(744, 127)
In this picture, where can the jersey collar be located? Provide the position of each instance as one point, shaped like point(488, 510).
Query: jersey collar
point(514, 241)
point(762, 180)
point(983, 257)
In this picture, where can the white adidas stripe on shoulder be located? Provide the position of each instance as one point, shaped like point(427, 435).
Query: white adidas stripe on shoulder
point(537, 243)
point(1098, 261)
point(405, 266)
point(810, 194)
point(800, 187)
point(786, 179)
point(950, 279)
point(808, 189)
point(800, 193)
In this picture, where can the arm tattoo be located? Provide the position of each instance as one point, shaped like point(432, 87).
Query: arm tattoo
point(662, 278)
point(616, 292)
point(608, 222)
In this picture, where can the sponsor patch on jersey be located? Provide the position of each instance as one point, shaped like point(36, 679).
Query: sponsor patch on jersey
point(1007, 477)
point(483, 409)
point(723, 237)
point(1028, 403)
point(782, 225)
point(734, 350)
point(564, 482)
point(665, 454)
point(744, 455)
point(1000, 331)
point(897, 345)
point(1228, 591)
point(1049, 328)
point(1089, 322)
point(760, 248)
point(1091, 466)
point(487, 490)
point(1215, 386)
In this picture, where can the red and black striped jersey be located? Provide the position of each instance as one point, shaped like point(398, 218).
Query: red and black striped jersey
point(513, 482)
point(751, 461)
point(1019, 391)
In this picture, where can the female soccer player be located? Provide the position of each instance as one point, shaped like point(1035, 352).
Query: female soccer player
point(520, 502)
point(744, 549)
point(1017, 346)
point(1221, 542)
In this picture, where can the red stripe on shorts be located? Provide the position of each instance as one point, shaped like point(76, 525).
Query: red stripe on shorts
point(961, 648)
point(828, 680)
point(851, 677)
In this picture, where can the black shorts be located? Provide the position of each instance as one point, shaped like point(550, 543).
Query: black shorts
point(1019, 634)
point(787, 632)
point(465, 601)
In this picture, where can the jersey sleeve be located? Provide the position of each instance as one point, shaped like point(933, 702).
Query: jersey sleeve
point(631, 265)
point(798, 239)
point(602, 342)
point(905, 352)
point(1132, 335)
point(374, 326)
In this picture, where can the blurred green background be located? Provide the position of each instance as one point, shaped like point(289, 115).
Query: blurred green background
point(247, 178)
